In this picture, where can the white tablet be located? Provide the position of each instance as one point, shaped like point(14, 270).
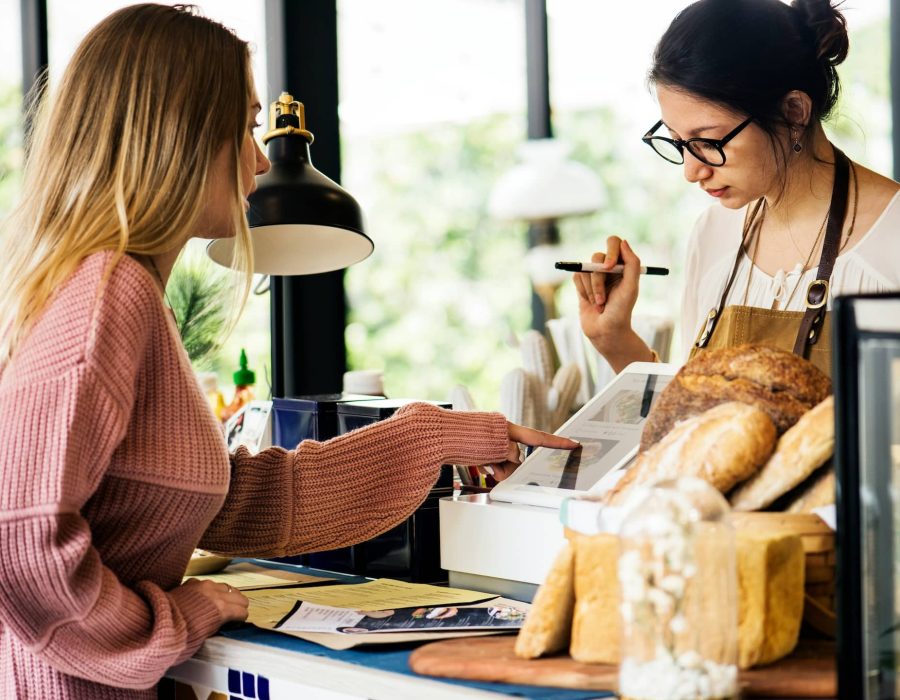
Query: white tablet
point(609, 429)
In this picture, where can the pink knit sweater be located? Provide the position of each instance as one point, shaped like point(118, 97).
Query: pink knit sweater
point(112, 470)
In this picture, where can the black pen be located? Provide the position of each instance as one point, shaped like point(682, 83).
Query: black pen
point(614, 270)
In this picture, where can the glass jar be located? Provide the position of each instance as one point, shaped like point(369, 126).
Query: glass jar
point(678, 578)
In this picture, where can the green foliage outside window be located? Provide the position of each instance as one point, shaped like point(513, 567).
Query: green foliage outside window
point(10, 145)
point(446, 289)
point(195, 275)
point(197, 290)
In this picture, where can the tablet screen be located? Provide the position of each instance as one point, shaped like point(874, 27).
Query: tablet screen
point(609, 429)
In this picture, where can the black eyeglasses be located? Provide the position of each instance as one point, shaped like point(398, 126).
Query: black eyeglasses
point(709, 151)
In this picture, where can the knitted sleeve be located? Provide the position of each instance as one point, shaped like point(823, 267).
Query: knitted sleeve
point(56, 595)
point(331, 494)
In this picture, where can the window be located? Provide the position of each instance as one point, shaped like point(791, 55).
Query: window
point(861, 125)
point(432, 107)
point(10, 104)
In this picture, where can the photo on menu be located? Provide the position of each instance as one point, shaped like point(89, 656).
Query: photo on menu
point(437, 618)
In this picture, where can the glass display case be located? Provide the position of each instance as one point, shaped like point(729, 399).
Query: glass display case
point(867, 463)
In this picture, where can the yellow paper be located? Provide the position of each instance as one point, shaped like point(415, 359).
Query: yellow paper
point(246, 576)
point(267, 607)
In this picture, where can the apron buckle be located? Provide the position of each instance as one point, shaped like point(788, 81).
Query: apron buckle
point(814, 329)
point(817, 294)
point(707, 331)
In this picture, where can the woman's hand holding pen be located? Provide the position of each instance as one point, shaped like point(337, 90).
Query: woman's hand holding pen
point(519, 434)
point(606, 302)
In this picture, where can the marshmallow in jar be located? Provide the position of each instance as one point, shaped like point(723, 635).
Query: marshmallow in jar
point(678, 578)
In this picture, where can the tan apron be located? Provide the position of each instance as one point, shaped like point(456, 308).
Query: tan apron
point(748, 324)
point(806, 333)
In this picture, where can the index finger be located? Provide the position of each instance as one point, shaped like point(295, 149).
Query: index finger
point(538, 438)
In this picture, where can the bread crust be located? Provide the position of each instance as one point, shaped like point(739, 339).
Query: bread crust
point(723, 446)
point(778, 382)
point(817, 492)
point(548, 625)
point(800, 451)
point(596, 626)
point(774, 368)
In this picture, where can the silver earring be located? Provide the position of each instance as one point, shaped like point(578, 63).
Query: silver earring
point(797, 145)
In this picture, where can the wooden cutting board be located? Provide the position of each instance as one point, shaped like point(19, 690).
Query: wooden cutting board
point(809, 672)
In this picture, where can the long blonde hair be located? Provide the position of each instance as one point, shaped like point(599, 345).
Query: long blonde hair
point(119, 156)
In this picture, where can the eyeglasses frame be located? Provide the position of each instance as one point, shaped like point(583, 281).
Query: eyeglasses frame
point(682, 144)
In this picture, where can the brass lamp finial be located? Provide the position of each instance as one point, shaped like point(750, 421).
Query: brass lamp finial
point(286, 106)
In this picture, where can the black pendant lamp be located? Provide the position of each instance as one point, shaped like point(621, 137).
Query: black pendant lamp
point(302, 222)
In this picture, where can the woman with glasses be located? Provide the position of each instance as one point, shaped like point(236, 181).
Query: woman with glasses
point(743, 88)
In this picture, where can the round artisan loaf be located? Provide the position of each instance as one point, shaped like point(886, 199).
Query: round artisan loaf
point(723, 446)
point(800, 451)
point(782, 384)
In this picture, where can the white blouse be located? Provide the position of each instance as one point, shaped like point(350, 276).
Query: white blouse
point(870, 266)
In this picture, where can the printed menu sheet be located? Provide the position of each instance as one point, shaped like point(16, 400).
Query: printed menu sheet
point(270, 607)
point(309, 617)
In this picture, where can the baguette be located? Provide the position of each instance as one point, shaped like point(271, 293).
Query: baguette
point(800, 451)
point(723, 446)
point(818, 492)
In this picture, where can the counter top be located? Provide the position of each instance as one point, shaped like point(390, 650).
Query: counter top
point(248, 663)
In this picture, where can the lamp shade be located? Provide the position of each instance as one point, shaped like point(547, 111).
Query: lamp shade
point(546, 184)
point(302, 222)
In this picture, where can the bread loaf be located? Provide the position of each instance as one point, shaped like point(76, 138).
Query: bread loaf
point(548, 625)
point(778, 382)
point(596, 627)
point(770, 566)
point(800, 451)
point(770, 594)
point(818, 492)
point(723, 446)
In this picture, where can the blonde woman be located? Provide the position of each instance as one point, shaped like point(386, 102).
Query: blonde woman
point(112, 467)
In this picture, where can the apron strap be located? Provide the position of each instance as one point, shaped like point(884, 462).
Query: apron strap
point(817, 292)
point(713, 317)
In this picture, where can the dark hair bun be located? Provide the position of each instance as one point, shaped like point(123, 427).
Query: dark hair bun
point(828, 28)
point(748, 54)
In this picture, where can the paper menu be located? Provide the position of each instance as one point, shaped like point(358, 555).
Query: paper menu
point(269, 606)
point(336, 640)
point(246, 576)
point(309, 617)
